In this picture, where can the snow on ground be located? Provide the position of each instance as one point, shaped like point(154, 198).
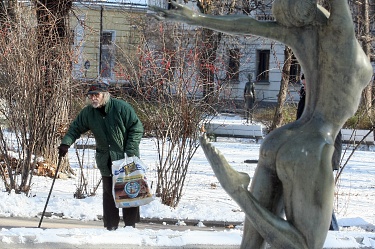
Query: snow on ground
point(203, 199)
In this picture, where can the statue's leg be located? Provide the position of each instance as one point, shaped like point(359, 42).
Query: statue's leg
point(251, 110)
point(267, 189)
point(259, 208)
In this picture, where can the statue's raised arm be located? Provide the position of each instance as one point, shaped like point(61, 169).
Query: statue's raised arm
point(230, 24)
point(285, 29)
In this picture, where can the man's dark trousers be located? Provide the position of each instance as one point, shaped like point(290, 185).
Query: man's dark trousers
point(111, 215)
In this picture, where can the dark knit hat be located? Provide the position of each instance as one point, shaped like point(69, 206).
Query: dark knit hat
point(98, 87)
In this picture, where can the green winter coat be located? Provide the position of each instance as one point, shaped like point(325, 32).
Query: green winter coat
point(118, 132)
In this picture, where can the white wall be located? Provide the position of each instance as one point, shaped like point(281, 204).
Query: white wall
point(265, 91)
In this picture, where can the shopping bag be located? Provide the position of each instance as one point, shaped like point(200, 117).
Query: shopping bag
point(130, 187)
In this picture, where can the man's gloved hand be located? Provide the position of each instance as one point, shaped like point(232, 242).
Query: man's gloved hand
point(63, 149)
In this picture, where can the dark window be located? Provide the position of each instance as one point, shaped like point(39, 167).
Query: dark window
point(263, 65)
point(107, 56)
point(295, 70)
point(107, 63)
point(71, 37)
point(234, 64)
point(107, 38)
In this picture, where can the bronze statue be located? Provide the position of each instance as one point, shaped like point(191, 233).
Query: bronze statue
point(294, 171)
point(249, 97)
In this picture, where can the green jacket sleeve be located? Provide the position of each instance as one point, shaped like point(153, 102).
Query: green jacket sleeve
point(76, 128)
point(134, 130)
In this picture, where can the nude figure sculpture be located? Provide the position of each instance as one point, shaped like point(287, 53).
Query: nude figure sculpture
point(294, 171)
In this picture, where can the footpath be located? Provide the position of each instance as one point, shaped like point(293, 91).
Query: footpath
point(28, 239)
point(23, 233)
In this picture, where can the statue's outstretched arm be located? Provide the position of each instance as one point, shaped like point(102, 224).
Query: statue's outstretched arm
point(275, 230)
point(230, 24)
point(341, 18)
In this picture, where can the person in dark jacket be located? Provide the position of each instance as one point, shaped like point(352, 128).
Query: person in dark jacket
point(117, 130)
point(302, 97)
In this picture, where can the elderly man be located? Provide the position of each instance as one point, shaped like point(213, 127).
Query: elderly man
point(117, 130)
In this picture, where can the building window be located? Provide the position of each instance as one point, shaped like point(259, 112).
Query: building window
point(71, 37)
point(234, 64)
point(263, 65)
point(107, 38)
point(77, 42)
point(295, 71)
point(107, 54)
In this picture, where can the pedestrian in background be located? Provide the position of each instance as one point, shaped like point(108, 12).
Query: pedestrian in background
point(302, 96)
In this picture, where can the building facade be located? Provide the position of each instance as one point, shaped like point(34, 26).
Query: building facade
point(104, 36)
point(253, 57)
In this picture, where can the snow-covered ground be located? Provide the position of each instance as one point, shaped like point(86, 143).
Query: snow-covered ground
point(203, 199)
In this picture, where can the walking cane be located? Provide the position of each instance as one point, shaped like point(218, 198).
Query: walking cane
point(50, 191)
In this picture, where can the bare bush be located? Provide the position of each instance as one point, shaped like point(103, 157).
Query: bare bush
point(34, 66)
point(167, 92)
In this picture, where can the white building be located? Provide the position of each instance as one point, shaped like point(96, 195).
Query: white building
point(258, 57)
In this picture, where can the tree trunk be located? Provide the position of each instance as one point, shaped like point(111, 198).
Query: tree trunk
point(210, 42)
point(278, 117)
point(366, 45)
point(53, 16)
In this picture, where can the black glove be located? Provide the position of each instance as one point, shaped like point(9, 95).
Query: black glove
point(63, 149)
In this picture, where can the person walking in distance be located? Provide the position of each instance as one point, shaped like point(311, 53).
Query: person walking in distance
point(302, 97)
point(117, 130)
